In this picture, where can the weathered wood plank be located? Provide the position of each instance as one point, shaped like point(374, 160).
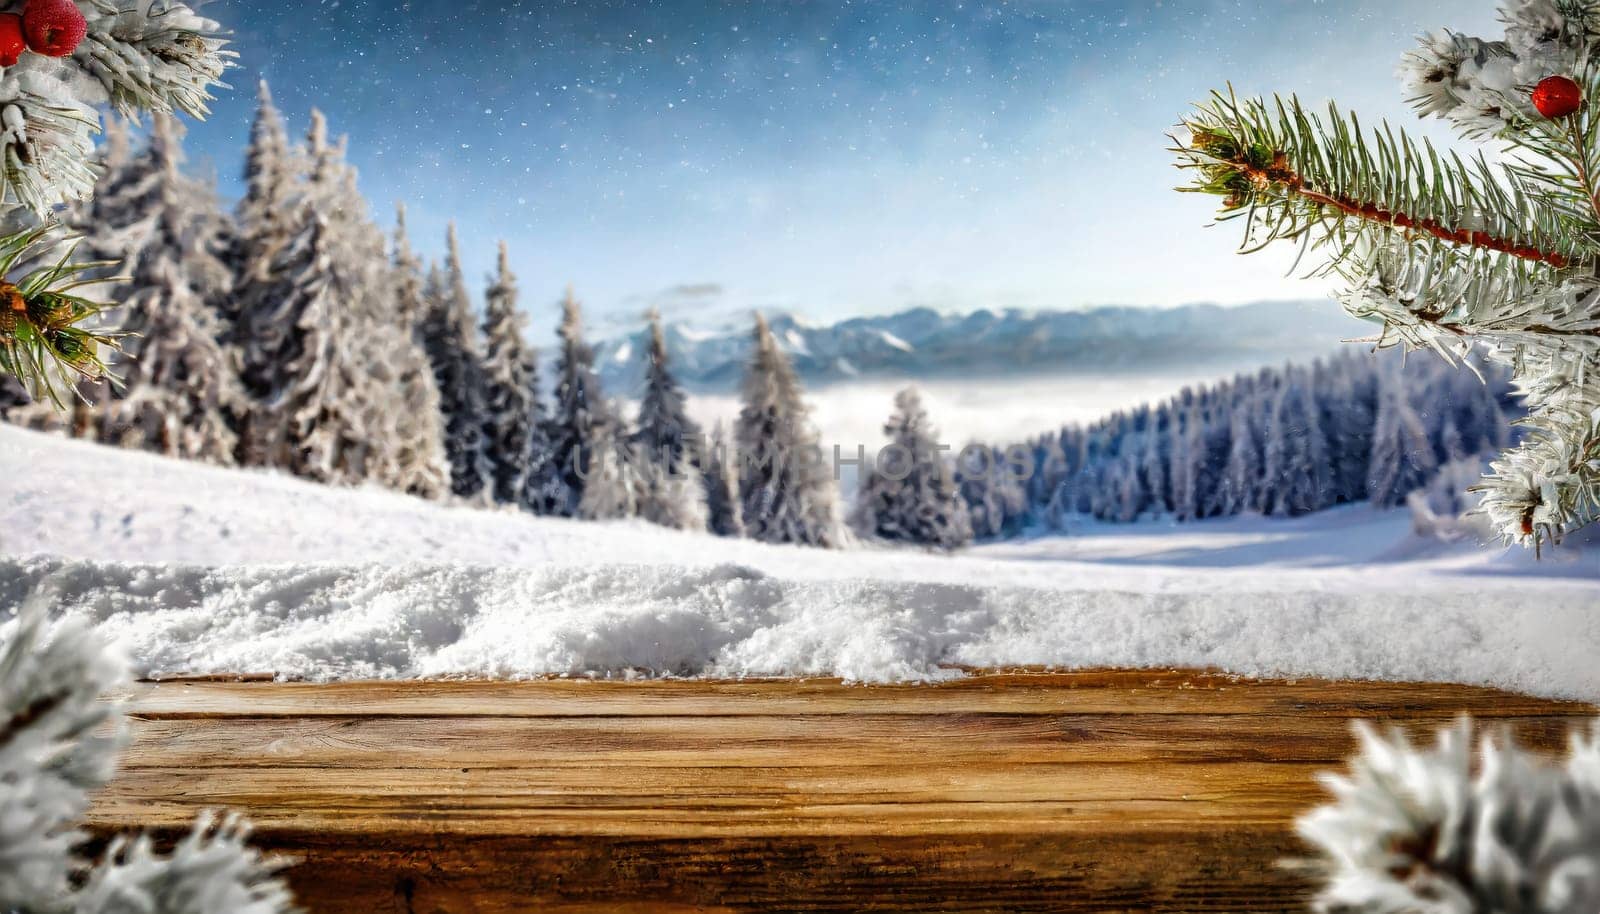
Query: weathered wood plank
point(1103, 791)
point(1100, 692)
point(749, 741)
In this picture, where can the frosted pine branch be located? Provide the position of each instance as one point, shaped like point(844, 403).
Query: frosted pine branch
point(211, 871)
point(1437, 831)
point(58, 742)
point(151, 55)
point(46, 147)
point(1450, 254)
point(50, 753)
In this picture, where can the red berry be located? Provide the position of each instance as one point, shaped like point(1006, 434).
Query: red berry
point(53, 27)
point(1557, 96)
point(12, 44)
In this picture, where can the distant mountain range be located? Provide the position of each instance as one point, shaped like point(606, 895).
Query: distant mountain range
point(923, 343)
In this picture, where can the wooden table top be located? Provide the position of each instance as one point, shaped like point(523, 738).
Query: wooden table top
point(1028, 791)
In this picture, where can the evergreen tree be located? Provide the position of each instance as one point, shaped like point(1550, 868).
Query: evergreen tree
point(584, 439)
point(326, 357)
point(664, 428)
point(290, 425)
point(1296, 454)
point(266, 217)
point(610, 480)
point(421, 466)
point(667, 442)
point(1154, 464)
point(450, 336)
point(1347, 402)
point(996, 500)
point(117, 222)
point(511, 399)
point(678, 499)
point(1127, 492)
point(909, 494)
point(785, 494)
point(178, 380)
point(1185, 467)
point(1241, 475)
point(719, 464)
point(1402, 457)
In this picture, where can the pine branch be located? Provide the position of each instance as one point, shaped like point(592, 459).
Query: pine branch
point(44, 340)
point(1426, 300)
point(1294, 177)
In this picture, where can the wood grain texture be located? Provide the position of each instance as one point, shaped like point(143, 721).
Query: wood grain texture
point(1028, 791)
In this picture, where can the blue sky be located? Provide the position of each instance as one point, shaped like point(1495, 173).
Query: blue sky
point(829, 157)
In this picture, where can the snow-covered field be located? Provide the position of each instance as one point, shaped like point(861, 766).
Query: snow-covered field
point(198, 569)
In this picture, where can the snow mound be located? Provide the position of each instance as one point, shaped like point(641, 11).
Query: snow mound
point(198, 569)
point(376, 621)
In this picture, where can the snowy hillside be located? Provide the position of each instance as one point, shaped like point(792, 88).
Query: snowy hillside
point(202, 569)
point(925, 344)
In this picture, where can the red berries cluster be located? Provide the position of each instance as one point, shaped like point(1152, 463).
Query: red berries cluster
point(49, 27)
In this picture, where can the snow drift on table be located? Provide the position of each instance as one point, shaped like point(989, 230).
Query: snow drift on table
point(203, 570)
point(729, 620)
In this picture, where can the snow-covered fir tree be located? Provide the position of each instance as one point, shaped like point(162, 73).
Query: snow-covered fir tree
point(719, 464)
point(420, 466)
point(909, 493)
point(671, 498)
point(786, 494)
point(58, 743)
point(1412, 830)
point(610, 472)
point(1348, 397)
point(997, 501)
point(1402, 457)
point(667, 443)
point(266, 217)
point(1185, 455)
point(1155, 469)
point(178, 386)
point(582, 430)
point(265, 214)
point(325, 356)
point(513, 414)
point(1241, 474)
point(450, 335)
point(1296, 454)
point(117, 221)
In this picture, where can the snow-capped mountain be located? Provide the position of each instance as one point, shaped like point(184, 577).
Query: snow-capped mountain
point(923, 343)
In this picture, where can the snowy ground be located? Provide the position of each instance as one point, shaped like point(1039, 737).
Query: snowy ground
point(199, 569)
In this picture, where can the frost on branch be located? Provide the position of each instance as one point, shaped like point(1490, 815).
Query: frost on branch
point(211, 871)
point(46, 147)
point(139, 55)
point(1435, 831)
point(52, 752)
point(153, 55)
point(58, 742)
